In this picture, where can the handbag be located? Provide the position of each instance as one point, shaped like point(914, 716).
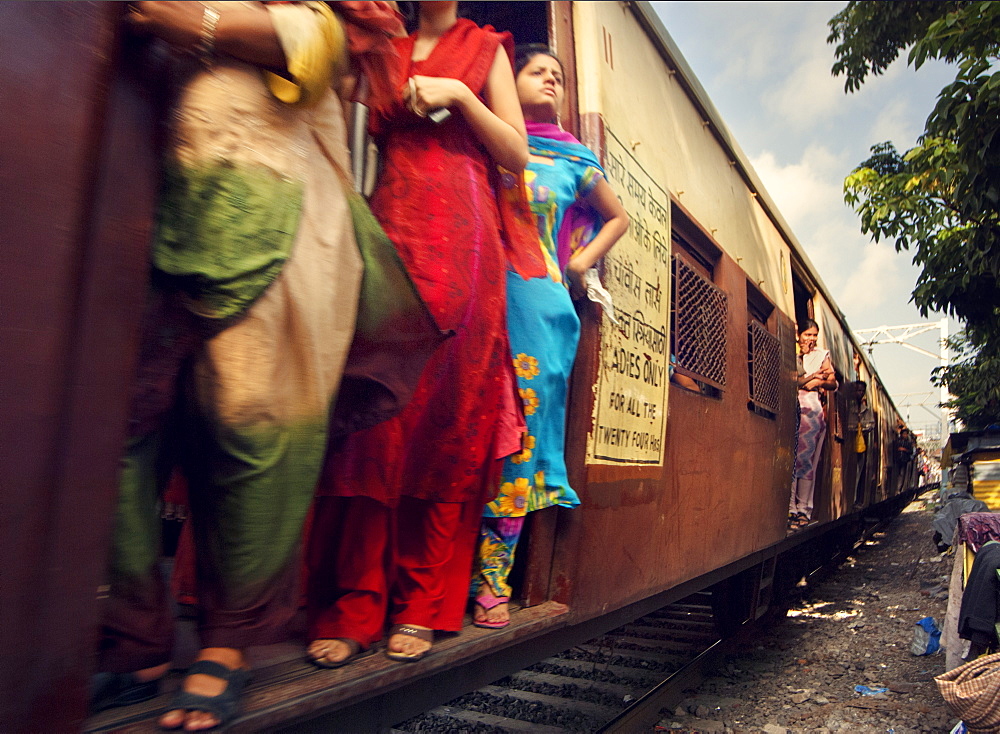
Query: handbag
point(972, 692)
point(859, 441)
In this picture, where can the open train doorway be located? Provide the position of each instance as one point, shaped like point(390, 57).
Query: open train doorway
point(527, 21)
point(810, 491)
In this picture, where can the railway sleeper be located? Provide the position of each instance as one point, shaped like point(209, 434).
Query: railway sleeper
point(597, 672)
point(644, 631)
point(531, 710)
point(599, 692)
point(455, 719)
point(630, 658)
point(541, 708)
point(663, 643)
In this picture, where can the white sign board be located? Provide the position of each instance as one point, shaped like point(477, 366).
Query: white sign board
point(630, 398)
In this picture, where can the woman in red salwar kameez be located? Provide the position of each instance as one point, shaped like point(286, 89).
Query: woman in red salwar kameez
point(397, 509)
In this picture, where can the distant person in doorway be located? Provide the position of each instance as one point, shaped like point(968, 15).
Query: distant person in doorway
point(817, 376)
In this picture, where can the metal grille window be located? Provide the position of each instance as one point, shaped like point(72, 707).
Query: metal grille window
point(763, 366)
point(700, 309)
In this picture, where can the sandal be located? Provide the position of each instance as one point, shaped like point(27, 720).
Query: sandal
point(108, 690)
point(356, 652)
point(224, 706)
point(488, 603)
point(799, 521)
point(410, 631)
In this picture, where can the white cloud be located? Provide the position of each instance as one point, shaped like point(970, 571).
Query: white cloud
point(808, 94)
point(863, 276)
point(802, 190)
point(895, 122)
point(878, 278)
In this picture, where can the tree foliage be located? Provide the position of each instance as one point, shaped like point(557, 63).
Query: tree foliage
point(973, 378)
point(941, 198)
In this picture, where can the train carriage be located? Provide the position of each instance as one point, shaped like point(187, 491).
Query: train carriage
point(682, 489)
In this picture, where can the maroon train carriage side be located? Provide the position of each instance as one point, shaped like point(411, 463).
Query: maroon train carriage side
point(696, 499)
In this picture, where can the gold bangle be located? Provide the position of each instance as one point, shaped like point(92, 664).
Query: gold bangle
point(206, 44)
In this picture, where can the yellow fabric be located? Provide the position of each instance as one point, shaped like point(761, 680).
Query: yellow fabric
point(315, 47)
point(859, 441)
point(986, 478)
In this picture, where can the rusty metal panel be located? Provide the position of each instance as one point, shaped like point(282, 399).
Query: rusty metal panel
point(721, 495)
point(76, 187)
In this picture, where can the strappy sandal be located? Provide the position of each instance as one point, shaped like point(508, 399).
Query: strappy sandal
point(356, 653)
point(488, 603)
point(223, 707)
point(409, 631)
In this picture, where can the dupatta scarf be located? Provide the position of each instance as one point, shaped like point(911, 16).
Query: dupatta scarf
point(581, 222)
point(466, 52)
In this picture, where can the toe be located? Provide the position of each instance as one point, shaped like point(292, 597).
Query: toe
point(172, 719)
point(499, 613)
point(331, 651)
point(409, 644)
point(199, 721)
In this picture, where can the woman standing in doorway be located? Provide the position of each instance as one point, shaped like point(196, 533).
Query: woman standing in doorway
point(398, 507)
point(248, 322)
point(579, 219)
point(816, 376)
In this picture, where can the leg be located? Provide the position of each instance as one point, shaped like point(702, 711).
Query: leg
point(137, 632)
point(427, 533)
point(807, 485)
point(497, 544)
point(138, 628)
point(347, 555)
point(250, 491)
point(256, 419)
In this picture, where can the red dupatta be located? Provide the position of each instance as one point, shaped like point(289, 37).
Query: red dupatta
point(466, 52)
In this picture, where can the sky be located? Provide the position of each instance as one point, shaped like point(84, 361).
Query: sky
point(766, 67)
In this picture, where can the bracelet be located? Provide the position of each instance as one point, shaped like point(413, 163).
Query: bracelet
point(206, 46)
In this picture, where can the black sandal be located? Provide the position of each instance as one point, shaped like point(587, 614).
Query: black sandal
point(356, 653)
point(223, 707)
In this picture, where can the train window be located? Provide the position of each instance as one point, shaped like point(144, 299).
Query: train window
point(763, 355)
point(803, 298)
point(699, 308)
point(698, 338)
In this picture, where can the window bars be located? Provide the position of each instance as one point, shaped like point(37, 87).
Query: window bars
point(699, 333)
point(763, 366)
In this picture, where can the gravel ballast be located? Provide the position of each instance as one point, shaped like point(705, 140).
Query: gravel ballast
point(852, 627)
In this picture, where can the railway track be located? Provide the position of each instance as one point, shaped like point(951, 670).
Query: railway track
point(616, 682)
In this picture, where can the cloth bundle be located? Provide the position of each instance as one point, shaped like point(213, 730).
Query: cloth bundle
point(972, 692)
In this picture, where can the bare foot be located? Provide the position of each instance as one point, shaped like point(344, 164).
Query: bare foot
point(205, 685)
point(408, 644)
point(498, 614)
point(330, 651)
